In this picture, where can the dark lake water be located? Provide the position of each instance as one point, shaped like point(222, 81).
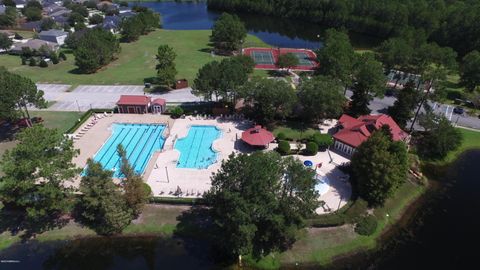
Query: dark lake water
point(443, 235)
point(274, 31)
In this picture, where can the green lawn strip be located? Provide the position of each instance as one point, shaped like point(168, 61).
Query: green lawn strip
point(135, 62)
point(293, 132)
point(6, 240)
point(471, 140)
point(59, 120)
point(321, 246)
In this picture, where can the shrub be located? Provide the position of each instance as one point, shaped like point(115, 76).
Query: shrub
point(367, 225)
point(54, 58)
point(283, 147)
point(24, 60)
point(148, 190)
point(43, 64)
point(62, 56)
point(176, 112)
point(32, 62)
point(311, 148)
point(281, 136)
point(322, 140)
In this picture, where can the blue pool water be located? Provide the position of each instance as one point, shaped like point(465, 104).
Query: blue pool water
point(196, 149)
point(322, 185)
point(139, 140)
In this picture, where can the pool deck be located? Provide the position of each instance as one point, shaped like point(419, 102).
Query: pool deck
point(165, 178)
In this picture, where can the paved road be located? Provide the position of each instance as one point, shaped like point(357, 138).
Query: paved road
point(378, 105)
point(84, 97)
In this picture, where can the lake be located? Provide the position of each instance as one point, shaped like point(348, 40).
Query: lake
point(276, 32)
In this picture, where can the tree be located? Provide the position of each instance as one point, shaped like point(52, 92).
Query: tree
point(166, 70)
point(470, 71)
point(337, 57)
point(47, 24)
point(150, 20)
point(369, 82)
point(206, 83)
point(379, 166)
point(402, 109)
point(134, 192)
point(228, 32)
point(18, 93)
point(102, 206)
point(36, 172)
point(396, 53)
point(8, 18)
point(288, 61)
point(131, 29)
point(439, 138)
point(95, 49)
point(79, 9)
point(321, 97)
point(268, 98)
point(75, 18)
point(33, 10)
point(246, 62)
point(5, 42)
point(258, 202)
point(95, 19)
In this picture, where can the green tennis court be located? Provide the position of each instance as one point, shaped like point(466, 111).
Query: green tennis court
point(263, 57)
point(303, 59)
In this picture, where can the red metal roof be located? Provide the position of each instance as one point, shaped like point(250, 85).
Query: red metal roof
point(159, 101)
point(134, 100)
point(257, 136)
point(357, 130)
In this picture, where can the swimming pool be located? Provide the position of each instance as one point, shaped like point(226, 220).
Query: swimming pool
point(196, 149)
point(323, 184)
point(139, 140)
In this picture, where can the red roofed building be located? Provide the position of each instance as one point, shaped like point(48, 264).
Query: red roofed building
point(354, 131)
point(159, 105)
point(133, 104)
point(257, 136)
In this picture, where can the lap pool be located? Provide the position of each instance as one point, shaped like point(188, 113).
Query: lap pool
point(196, 149)
point(139, 140)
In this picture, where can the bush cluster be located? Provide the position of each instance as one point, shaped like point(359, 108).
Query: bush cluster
point(366, 225)
point(283, 147)
point(311, 149)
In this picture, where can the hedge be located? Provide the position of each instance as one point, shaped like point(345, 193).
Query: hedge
point(366, 225)
point(350, 213)
point(311, 149)
point(178, 201)
point(283, 147)
point(84, 118)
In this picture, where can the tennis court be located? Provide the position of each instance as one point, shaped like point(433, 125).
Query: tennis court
point(303, 59)
point(263, 57)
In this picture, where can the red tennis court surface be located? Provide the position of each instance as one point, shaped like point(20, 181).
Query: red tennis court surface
point(266, 58)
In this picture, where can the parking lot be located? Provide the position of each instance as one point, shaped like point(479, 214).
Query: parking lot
point(85, 97)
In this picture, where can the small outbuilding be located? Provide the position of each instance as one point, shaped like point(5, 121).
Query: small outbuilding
point(134, 104)
point(159, 105)
point(56, 36)
point(257, 136)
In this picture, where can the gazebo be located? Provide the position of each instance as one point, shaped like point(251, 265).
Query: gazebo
point(257, 136)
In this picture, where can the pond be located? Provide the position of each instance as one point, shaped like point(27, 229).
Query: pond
point(276, 32)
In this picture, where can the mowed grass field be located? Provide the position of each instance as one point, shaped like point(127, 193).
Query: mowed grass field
point(135, 62)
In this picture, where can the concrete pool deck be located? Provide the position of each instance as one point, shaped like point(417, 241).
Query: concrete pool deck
point(165, 178)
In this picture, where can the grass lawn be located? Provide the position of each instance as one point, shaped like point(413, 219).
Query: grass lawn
point(59, 120)
point(471, 140)
point(293, 131)
point(135, 62)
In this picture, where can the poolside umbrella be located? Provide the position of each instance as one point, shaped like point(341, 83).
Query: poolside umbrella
point(257, 136)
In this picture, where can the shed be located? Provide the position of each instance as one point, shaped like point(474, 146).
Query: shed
point(133, 104)
point(182, 83)
point(257, 136)
point(159, 105)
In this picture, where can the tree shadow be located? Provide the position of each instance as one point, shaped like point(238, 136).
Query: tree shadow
point(16, 223)
point(7, 131)
point(206, 50)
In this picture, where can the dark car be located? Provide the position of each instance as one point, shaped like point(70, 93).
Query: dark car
point(458, 110)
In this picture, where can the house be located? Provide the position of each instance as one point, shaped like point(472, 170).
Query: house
point(33, 44)
point(56, 36)
point(127, 14)
point(60, 20)
point(134, 104)
point(106, 5)
point(20, 3)
point(159, 105)
point(124, 10)
point(10, 34)
point(60, 12)
point(111, 23)
point(352, 132)
point(31, 26)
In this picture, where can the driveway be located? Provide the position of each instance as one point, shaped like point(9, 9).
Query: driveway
point(85, 97)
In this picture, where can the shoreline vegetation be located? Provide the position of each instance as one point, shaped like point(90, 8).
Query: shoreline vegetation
point(315, 246)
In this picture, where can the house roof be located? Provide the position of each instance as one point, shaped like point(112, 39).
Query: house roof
point(7, 32)
point(31, 25)
point(159, 101)
point(34, 44)
point(257, 136)
point(133, 100)
point(357, 130)
point(53, 33)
